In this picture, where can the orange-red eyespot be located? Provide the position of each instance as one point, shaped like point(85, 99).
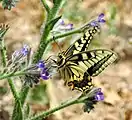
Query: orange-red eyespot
point(71, 85)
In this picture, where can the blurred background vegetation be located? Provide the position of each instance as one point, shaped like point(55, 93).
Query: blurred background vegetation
point(25, 22)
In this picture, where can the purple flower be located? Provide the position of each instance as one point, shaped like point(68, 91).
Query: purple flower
point(36, 71)
point(94, 23)
point(61, 22)
point(45, 75)
point(41, 64)
point(99, 20)
point(25, 50)
point(43, 70)
point(20, 55)
point(99, 95)
point(61, 26)
point(94, 96)
point(69, 27)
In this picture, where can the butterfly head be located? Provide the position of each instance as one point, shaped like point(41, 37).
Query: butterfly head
point(61, 59)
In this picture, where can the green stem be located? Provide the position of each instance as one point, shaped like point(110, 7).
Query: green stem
point(66, 34)
point(78, 30)
point(17, 111)
point(55, 10)
point(11, 84)
point(13, 89)
point(19, 73)
point(45, 6)
point(17, 99)
point(43, 44)
point(49, 112)
point(19, 104)
point(23, 94)
point(79, 99)
point(3, 52)
point(4, 59)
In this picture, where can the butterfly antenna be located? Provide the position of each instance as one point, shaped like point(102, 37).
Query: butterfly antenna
point(50, 58)
point(57, 43)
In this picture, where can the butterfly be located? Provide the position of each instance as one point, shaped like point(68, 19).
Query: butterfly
point(77, 64)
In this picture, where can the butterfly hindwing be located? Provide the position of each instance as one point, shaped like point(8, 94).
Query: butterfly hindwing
point(82, 85)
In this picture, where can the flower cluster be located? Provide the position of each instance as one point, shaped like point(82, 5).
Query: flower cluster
point(35, 72)
point(21, 54)
point(18, 60)
point(44, 71)
point(61, 26)
point(94, 23)
point(99, 20)
point(95, 95)
point(21, 60)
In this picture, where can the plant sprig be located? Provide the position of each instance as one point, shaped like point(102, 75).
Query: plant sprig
point(32, 72)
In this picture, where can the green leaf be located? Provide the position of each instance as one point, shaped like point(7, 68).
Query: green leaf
point(53, 21)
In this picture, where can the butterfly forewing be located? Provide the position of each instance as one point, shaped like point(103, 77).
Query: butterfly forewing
point(82, 44)
point(93, 61)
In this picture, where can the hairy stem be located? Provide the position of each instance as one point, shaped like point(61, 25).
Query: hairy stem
point(43, 43)
point(56, 8)
point(3, 52)
point(79, 99)
point(66, 34)
point(23, 94)
point(13, 89)
point(15, 116)
point(17, 111)
point(45, 6)
point(11, 84)
point(4, 76)
point(49, 112)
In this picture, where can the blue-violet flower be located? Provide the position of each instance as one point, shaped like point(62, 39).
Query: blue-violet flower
point(61, 26)
point(19, 55)
point(94, 96)
point(99, 95)
point(99, 20)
